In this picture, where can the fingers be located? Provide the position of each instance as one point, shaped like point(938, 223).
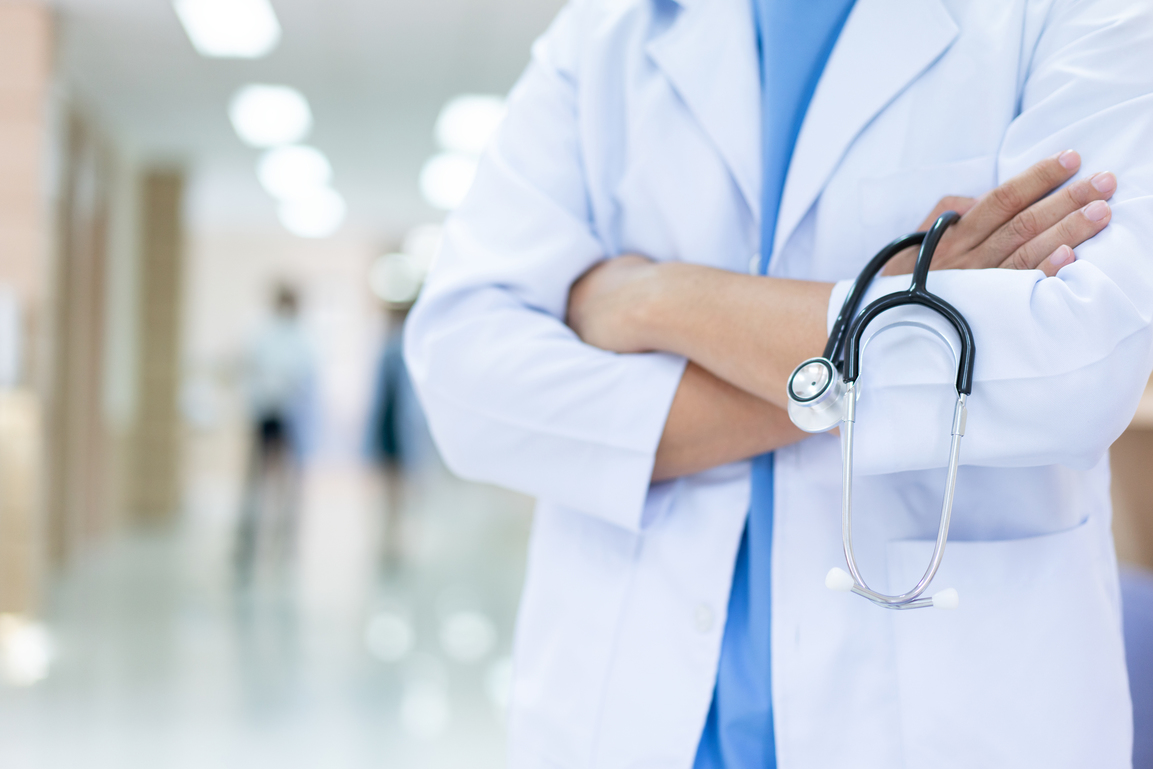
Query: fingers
point(903, 262)
point(1058, 259)
point(1053, 249)
point(1014, 196)
point(958, 203)
point(1043, 215)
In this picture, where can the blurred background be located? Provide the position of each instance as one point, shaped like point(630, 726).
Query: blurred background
point(225, 537)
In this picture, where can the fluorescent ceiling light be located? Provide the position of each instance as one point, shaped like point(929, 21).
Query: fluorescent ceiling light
point(395, 278)
point(446, 178)
point(316, 214)
point(467, 636)
point(466, 123)
point(234, 29)
point(422, 243)
point(270, 115)
point(26, 650)
point(293, 171)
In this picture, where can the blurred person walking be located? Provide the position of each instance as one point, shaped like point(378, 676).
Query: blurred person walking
point(278, 372)
point(398, 440)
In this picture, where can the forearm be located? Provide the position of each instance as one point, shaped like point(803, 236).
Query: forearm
point(749, 331)
point(712, 423)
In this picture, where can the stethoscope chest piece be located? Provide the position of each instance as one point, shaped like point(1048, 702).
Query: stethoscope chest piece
point(816, 396)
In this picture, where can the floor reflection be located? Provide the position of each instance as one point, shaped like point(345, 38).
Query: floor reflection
point(334, 658)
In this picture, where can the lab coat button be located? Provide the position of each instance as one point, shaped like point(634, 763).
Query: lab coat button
point(755, 264)
point(703, 617)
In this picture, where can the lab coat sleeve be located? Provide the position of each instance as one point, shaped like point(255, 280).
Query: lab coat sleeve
point(513, 397)
point(1061, 362)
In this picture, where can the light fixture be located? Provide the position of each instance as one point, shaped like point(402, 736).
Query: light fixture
point(235, 29)
point(26, 650)
point(293, 171)
point(315, 214)
point(422, 243)
point(446, 178)
point(395, 278)
point(270, 115)
point(467, 122)
point(467, 636)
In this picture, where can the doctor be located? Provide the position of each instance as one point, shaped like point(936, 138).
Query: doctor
point(674, 611)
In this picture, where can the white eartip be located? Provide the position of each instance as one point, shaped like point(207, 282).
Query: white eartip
point(839, 579)
point(946, 599)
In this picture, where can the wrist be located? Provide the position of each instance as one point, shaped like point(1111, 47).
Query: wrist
point(668, 303)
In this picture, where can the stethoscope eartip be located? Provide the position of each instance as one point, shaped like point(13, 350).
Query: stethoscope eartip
point(840, 580)
point(946, 599)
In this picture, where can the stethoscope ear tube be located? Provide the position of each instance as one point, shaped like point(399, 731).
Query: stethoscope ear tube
point(966, 359)
point(917, 294)
point(835, 346)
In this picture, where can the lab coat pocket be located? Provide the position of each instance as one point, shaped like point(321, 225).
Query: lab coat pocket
point(1028, 670)
point(895, 204)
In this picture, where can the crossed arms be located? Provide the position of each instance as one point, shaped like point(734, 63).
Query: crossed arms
point(730, 404)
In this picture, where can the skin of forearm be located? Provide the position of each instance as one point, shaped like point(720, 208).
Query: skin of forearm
point(749, 331)
point(712, 423)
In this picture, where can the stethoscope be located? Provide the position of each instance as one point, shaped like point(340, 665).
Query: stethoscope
point(822, 395)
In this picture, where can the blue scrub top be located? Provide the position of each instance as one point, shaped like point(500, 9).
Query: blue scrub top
point(795, 38)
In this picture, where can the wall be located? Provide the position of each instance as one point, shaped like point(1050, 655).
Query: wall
point(26, 37)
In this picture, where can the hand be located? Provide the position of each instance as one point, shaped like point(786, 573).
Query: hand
point(1019, 225)
point(606, 305)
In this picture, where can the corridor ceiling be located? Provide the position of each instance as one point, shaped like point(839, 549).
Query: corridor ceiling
point(376, 73)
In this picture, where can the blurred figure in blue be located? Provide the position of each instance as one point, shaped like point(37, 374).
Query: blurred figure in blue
point(398, 440)
point(278, 372)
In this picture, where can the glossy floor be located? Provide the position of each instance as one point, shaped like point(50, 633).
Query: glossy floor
point(344, 653)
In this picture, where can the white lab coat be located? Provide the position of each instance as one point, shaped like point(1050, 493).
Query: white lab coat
point(637, 128)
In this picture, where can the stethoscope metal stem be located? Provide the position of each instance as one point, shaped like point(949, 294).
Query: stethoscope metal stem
point(911, 599)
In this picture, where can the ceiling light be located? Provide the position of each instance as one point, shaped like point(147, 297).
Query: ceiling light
point(236, 29)
point(395, 278)
point(422, 243)
point(26, 650)
point(316, 214)
point(466, 123)
point(292, 171)
point(467, 636)
point(446, 178)
point(269, 115)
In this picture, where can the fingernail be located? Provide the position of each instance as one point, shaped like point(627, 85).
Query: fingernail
point(1104, 183)
point(1096, 211)
point(1062, 256)
point(1069, 160)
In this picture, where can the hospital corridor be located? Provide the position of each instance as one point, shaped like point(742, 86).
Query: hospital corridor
point(225, 536)
point(228, 537)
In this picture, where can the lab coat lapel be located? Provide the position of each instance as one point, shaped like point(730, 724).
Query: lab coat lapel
point(884, 46)
point(709, 55)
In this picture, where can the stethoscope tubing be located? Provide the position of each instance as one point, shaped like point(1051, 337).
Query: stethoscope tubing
point(918, 294)
point(848, 332)
point(910, 599)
